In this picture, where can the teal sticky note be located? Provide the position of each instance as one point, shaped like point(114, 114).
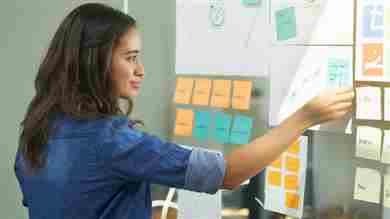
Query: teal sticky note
point(250, 2)
point(222, 127)
point(241, 130)
point(338, 74)
point(202, 124)
point(286, 24)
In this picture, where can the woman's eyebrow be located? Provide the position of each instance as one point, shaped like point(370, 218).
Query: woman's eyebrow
point(131, 52)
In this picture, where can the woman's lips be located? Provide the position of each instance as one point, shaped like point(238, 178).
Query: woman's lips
point(135, 85)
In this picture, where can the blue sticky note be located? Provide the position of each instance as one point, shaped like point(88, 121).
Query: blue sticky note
point(286, 24)
point(222, 127)
point(373, 20)
point(250, 2)
point(202, 124)
point(338, 74)
point(241, 130)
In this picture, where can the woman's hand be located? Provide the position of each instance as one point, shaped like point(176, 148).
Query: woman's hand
point(328, 106)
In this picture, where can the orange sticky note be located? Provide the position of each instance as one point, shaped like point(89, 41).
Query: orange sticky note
point(292, 200)
point(221, 93)
point(275, 178)
point(241, 94)
point(373, 59)
point(277, 163)
point(184, 120)
point(201, 92)
point(292, 164)
point(183, 90)
point(295, 147)
point(291, 182)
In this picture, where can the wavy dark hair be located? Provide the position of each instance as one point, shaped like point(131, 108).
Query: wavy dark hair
point(74, 76)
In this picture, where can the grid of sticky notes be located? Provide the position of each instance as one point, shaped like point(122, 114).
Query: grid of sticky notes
point(204, 122)
point(285, 180)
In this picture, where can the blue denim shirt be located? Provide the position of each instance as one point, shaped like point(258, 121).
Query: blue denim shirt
point(102, 169)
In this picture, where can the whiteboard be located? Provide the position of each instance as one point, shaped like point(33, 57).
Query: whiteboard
point(317, 21)
point(298, 74)
point(221, 37)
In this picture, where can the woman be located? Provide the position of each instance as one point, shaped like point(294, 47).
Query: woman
point(79, 155)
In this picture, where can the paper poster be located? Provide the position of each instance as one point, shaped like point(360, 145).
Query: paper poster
point(386, 191)
point(285, 180)
point(221, 94)
point(242, 130)
point(387, 104)
point(184, 119)
point(286, 25)
point(368, 142)
point(241, 95)
point(201, 92)
point(368, 103)
point(222, 127)
point(202, 125)
point(386, 147)
point(368, 184)
point(183, 90)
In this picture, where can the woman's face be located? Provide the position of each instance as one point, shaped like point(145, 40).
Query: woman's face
point(127, 70)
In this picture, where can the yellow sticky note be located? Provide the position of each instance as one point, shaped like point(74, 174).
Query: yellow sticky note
point(274, 178)
point(291, 182)
point(184, 120)
point(277, 163)
point(241, 94)
point(201, 92)
point(183, 90)
point(221, 93)
point(368, 142)
point(295, 147)
point(292, 164)
point(368, 183)
point(292, 200)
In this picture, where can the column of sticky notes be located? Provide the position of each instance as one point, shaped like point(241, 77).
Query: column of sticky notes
point(285, 180)
point(208, 120)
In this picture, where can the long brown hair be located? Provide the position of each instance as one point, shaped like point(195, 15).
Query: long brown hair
point(74, 76)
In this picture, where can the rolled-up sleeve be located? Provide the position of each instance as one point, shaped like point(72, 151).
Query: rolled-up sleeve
point(131, 155)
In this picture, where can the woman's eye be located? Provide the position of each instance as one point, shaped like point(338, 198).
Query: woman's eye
point(132, 59)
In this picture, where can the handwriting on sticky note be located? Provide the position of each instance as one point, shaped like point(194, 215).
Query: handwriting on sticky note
point(201, 92)
point(183, 90)
point(241, 94)
point(286, 26)
point(202, 124)
point(368, 142)
point(292, 164)
point(291, 182)
point(274, 178)
point(292, 200)
point(222, 127)
point(338, 73)
point(241, 130)
point(184, 119)
point(221, 93)
point(368, 103)
point(367, 185)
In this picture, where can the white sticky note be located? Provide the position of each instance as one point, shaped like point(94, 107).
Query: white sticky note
point(386, 147)
point(386, 191)
point(387, 104)
point(368, 103)
point(367, 185)
point(368, 142)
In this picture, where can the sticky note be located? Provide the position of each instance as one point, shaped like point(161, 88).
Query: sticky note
point(291, 182)
point(221, 93)
point(386, 191)
point(250, 2)
point(367, 185)
point(292, 200)
point(373, 17)
point(368, 103)
point(286, 26)
point(183, 90)
point(222, 127)
point(241, 130)
point(184, 119)
point(292, 164)
point(241, 94)
point(274, 178)
point(295, 147)
point(387, 103)
point(368, 142)
point(201, 92)
point(338, 73)
point(373, 59)
point(277, 163)
point(386, 147)
point(202, 124)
